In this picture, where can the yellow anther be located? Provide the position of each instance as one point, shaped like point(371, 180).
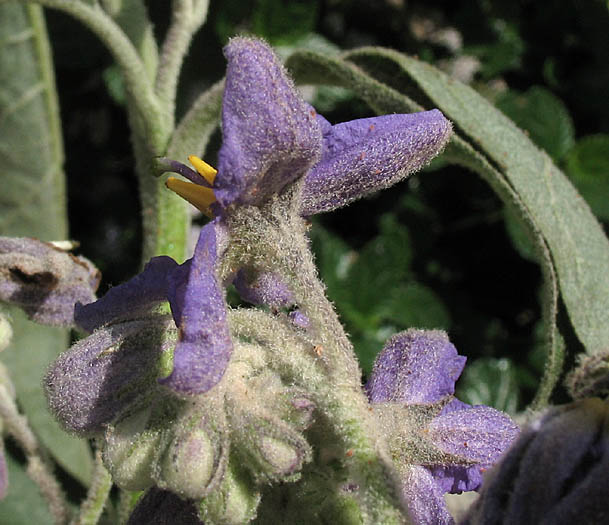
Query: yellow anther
point(208, 172)
point(199, 196)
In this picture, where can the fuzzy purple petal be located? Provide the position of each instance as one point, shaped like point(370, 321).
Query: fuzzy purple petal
point(270, 135)
point(415, 366)
point(130, 299)
point(264, 288)
point(90, 384)
point(45, 281)
point(478, 433)
point(204, 346)
point(366, 155)
point(424, 498)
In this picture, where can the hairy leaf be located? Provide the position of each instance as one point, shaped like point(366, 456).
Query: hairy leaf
point(32, 204)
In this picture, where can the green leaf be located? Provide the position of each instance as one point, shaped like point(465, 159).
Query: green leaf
point(544, 116)
point(283, 22)
point(579, 248)
point(587, 165)
point(492, 382)
point(23, 504)
point(33, 204)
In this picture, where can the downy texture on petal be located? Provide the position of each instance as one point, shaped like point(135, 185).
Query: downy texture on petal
point(270, 135)
point(138, 295)
point(479, 434)
point(45, 281)
point(204, 344)
point(90, 384)
point(366, 155)
point(423, 497)
point(415, 366)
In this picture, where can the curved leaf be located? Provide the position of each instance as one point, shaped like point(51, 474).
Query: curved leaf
point(32, 204)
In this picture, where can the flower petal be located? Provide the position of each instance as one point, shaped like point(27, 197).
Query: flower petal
point(479, 434)
point(204, 345)
point(270, 135)
point(127, 300)
point(44, 280)
point(90, 384)
point(415, 366)
point(366, 155)
point(424, 498)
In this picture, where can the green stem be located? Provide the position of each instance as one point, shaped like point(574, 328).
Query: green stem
point(187, 17)
point(92, 508)
point(280, 240)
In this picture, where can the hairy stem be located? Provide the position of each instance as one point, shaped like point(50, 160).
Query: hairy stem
point(187, 17)
point(37, 468)
point(92, 508)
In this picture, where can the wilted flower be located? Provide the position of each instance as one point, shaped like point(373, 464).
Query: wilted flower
point(556, 472)
point(44, 280)
point(438, 443)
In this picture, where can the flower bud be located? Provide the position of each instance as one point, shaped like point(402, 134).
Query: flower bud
point(130, 448)
point(556, 472)
point(105, 374)
point(194, 461)
point(235, 501)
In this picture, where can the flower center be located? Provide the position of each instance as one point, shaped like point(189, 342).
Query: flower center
point(199, 192)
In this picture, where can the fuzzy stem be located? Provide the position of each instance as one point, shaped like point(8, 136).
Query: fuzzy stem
point(187, 17)
point(92, 508)
point(280, 239)
point(37, 468)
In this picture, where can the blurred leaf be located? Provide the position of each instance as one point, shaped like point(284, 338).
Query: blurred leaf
point(492, 382)
point(280, 22)
point(23, 504)
point(413, 305)
point(544, 116)
point(115, 85)
point(33, 204)
point(502, 56)
point(587, 165)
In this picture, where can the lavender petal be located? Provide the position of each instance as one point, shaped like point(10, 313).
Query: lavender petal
point(204, 344)
point(270, 135)
point(138, 295)
point(363, 156)
point(415, 366)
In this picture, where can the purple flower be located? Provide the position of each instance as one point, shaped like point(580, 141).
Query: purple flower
point(440, 444)
point(271, 138)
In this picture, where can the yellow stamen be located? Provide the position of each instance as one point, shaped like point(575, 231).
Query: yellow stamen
point(204, 169)
point(199, 196)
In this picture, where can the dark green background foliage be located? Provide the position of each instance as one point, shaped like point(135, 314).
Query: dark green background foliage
point(437, 251)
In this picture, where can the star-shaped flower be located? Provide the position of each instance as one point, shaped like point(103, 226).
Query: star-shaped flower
point(271, 138)
point(439, 443)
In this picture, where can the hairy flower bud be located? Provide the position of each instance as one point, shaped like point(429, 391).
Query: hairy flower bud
point(194, 460)
point(104, 374)
point(267, 419)
point(130, 448)
point(557, 471)
point(44, 280)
